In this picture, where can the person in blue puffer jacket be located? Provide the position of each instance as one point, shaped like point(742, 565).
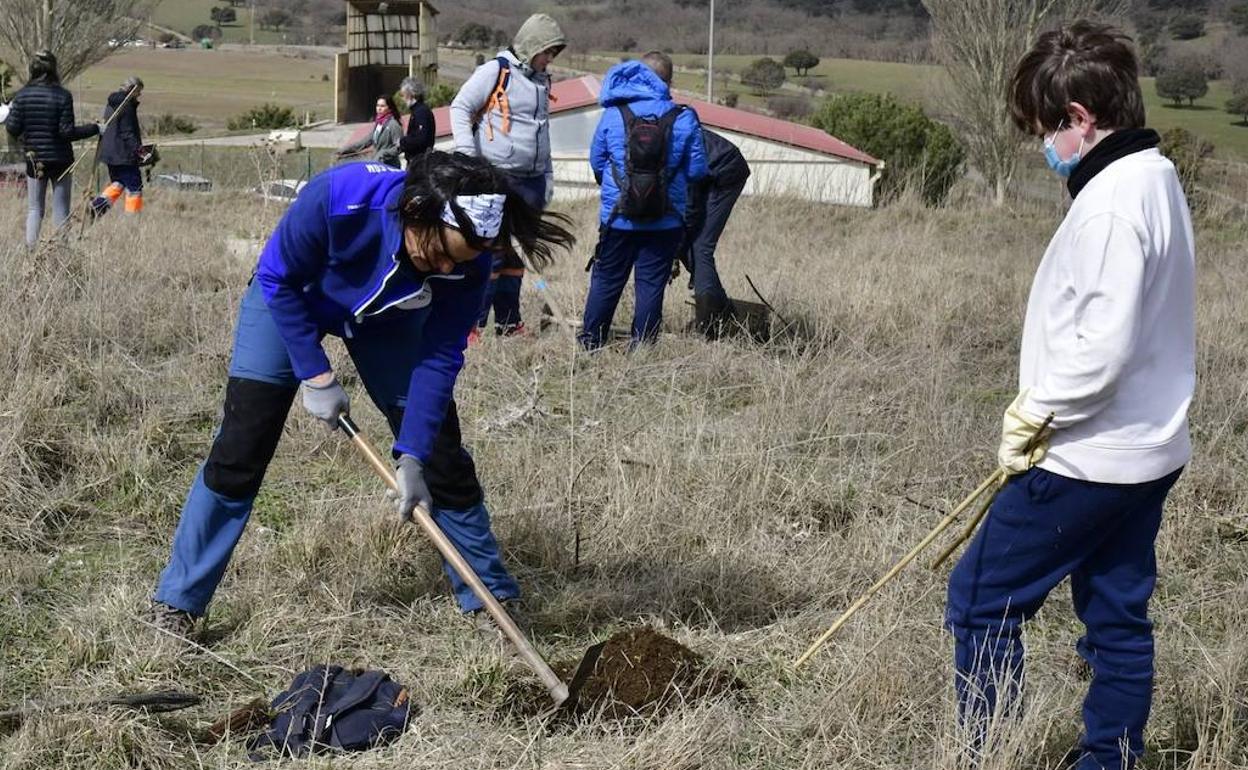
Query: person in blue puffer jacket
point(396, 265)
point(632, 92)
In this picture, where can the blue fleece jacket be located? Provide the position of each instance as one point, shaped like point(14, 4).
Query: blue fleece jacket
point(335, 265)
point(635, 84)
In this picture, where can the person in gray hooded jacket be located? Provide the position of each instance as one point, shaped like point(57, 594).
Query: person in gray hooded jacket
point(502, 114)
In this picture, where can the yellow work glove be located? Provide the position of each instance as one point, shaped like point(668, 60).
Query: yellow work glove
point(1017, 431)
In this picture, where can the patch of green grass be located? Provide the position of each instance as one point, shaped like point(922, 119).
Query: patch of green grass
point(214, 85)
point(1206, 118)
point(186, 15)
point(927, 86)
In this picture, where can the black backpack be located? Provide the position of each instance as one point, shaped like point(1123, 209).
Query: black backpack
point(329, 708)
point(644, 182)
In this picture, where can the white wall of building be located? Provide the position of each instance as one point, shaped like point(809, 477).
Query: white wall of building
point(776, 169)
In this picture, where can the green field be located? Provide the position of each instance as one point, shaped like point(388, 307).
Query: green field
point(186, 15)
point(928, 86)
point(214, 85)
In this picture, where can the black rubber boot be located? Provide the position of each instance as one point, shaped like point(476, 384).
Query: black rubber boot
point(712, 317)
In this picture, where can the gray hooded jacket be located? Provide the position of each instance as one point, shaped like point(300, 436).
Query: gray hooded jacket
point(524, 148)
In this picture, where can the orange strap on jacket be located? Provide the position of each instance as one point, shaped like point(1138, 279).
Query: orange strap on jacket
point(498, 98)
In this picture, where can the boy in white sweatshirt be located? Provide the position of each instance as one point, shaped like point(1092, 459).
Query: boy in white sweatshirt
point(1108, 350)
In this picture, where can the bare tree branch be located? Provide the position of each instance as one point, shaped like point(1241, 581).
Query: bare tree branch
point(77, 31)
point(979, 42)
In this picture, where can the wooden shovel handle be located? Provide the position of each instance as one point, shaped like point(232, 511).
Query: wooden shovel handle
point(558, 690)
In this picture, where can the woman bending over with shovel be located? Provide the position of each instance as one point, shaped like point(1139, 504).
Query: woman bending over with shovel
point(396, 265)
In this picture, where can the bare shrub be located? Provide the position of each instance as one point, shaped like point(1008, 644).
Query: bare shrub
point(77, 31)
point(979, 42)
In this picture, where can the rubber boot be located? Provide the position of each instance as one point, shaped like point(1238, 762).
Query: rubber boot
point(712, 316)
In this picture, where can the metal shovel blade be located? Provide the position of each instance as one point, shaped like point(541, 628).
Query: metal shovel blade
point(583, 671)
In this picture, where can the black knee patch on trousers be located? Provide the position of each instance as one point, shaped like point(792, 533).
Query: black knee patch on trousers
point(251, 426)
point(450, 472)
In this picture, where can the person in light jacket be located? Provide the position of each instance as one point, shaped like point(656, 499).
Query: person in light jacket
point(385, 138)
point(503, 115)
point(1098, 433)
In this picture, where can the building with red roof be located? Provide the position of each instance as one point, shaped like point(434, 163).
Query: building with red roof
point(786, 159)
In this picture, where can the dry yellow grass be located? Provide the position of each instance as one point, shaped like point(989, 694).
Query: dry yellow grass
point(736, 496)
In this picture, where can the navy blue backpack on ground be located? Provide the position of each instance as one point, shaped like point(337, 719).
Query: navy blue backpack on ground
point(328, 708)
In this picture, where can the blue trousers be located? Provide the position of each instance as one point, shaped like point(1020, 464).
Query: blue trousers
point(707, 216)
point(261, 389)
point(502, 294)
point(648, 255)
point(1041, 528)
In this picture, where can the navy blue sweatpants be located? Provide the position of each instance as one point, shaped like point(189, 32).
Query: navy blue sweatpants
point(709, 210)
point(1041, 528)
point(648, 255)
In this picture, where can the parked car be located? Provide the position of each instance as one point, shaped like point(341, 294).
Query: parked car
point(285, 190)
point(192, 182)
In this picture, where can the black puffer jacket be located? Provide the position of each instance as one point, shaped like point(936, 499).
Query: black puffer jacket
point(43, 119)
point(121, 141)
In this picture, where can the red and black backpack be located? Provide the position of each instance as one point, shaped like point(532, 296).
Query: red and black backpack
point(644, 182)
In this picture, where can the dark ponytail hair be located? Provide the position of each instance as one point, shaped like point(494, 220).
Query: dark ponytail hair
point(437, 178)
point(43, 67)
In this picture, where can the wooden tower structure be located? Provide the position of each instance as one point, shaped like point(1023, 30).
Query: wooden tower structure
point(386, 42)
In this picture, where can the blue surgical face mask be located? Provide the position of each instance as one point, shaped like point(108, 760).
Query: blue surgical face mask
point(1062, 168)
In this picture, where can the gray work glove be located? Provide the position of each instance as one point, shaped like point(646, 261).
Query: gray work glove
point(413, 490)
point(326, 402)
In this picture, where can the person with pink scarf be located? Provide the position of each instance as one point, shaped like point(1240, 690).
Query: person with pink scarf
point(385, 137)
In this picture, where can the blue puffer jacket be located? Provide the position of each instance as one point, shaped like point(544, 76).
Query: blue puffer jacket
point(334, 266)
point(635, 84)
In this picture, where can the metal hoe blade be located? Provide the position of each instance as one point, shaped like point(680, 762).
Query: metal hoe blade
point(583, 671)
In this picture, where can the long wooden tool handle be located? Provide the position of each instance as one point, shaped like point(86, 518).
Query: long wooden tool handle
point(892, 573)
point(558, 690)
point(997, 478)
point(971, 525)
point(103, 128)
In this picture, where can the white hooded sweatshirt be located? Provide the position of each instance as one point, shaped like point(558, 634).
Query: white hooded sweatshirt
point(1109, 342)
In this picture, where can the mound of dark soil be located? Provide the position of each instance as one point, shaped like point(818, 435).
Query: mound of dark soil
point(641, 673)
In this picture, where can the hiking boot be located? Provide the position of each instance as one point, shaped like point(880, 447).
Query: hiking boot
point(713, 317)
point(487, 629)
point(170, 619)
point(510, 330)
point(97, 208)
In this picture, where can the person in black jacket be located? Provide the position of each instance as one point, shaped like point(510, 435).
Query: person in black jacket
point(711, 201)
point(119, 150)
point(421, 131)
point(42, 118)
